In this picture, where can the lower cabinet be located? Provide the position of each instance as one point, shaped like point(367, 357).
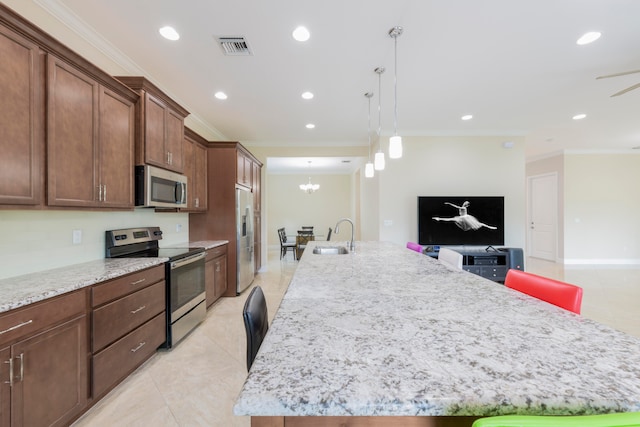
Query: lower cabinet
point(129, 323)
point(215, 273)
point(44, 370)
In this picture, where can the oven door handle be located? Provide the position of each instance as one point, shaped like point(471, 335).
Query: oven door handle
point(188, 260)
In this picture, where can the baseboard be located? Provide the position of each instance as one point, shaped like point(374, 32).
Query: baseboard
point(601, 261)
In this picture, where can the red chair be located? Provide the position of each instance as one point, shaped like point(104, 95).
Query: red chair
point(562, 294)
point(414, 247)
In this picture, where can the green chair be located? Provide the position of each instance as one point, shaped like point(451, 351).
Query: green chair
point(623, 419)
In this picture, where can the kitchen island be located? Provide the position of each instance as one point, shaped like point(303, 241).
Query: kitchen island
point(386, 335)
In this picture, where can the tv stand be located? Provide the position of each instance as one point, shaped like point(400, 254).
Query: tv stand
point(492, 265)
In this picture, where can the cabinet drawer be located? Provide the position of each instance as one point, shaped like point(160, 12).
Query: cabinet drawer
point(121, 286)
point(119, 317)
point(115, 362)
point(38, 316)
point(216, 252)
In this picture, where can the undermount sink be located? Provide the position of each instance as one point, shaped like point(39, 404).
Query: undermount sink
point(330, 250)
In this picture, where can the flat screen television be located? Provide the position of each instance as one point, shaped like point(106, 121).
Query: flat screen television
point(458, 221)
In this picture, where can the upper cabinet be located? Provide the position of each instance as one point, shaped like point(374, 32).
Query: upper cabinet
point(195, 169)
point(90, 140)
point(244, 170)
point(56, 102)
point(21, 120)
point(159, 128)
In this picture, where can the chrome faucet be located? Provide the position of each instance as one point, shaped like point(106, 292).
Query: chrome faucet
point(352, 246)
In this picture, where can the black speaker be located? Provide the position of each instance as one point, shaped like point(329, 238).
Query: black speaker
point(516, 258)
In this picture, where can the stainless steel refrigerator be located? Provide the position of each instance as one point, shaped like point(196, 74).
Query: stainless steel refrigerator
point(244, 239)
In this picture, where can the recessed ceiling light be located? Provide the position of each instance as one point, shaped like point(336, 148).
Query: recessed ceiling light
point(169, 33)
point(589, 37)
point(467, 117)
point(307, 95)
point(579, 116)
point(220, 95)
point(301, 34)
point(310, 126)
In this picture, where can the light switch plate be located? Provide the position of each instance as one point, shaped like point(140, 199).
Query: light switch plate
point(77, 237)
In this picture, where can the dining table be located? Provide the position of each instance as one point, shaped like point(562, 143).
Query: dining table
point(386, 336)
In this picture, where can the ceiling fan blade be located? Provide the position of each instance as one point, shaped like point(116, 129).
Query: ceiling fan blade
point(629, 89)
point(618, 74)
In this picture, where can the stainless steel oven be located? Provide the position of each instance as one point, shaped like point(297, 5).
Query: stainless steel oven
point(184, 276)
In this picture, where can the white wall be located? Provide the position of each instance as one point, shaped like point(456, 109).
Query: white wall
point(40, 240)
point(452, 166)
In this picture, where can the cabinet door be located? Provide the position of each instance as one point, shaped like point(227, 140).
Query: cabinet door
point(244, 170)
point(5, 388)
point(21, 110)
point(256, 187)
point(220, 274)
point(71, 135)
point(54, 385)
point(154, 133)
point(200, 176)
point(189, 172)
point(116, 145)
point(174, 140)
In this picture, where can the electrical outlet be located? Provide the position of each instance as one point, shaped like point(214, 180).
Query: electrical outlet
point(77, 237)
point(178, 228)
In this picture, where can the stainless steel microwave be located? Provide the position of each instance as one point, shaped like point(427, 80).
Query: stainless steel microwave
point(160, 188)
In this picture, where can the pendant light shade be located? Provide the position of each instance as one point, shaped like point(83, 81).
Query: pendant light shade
point(395, 147)
point(395, 142)
point(379, 157)
point(368, 168)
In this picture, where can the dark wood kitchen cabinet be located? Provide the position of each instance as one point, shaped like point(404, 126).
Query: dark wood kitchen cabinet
point(195, 169)
point(215, 273)
point(45, 360)
point(21, 120)
point(159, 127)
point(90, 140)
point(129, 324)
point(219, 221)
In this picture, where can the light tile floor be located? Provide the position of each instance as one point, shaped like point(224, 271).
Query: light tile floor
point(196, 383)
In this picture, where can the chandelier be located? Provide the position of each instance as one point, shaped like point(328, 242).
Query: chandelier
point(309, 187)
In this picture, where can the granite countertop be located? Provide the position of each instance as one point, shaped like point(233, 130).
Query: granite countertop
point(389, 331)
point(23, 290)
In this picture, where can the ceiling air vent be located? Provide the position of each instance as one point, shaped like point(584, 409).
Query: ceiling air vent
point(234, 46)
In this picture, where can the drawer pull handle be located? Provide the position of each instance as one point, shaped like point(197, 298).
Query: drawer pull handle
point(10, 362)
point(138, 309)
point(137, 282)
point(133, 350)
point(21, 357)
point(13, 328)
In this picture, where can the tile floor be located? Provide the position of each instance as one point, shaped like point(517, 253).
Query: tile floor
point(196, 383)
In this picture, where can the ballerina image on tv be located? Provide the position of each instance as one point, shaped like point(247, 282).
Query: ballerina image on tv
point(463, 220)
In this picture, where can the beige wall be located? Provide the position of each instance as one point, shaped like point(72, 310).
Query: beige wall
point(602, 201)
point(289, 207)
point(458, 166)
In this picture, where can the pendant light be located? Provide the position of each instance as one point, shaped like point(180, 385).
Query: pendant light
point(395, 142)
point(368, 168)
point(379, 157)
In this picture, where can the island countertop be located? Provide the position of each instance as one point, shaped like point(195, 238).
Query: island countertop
point(386, 331)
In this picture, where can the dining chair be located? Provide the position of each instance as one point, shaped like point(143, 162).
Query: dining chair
point(284, 245)
point(450, 258)
point(555, 292)
point(414, 247)
point(329, 234)
point(256, 322)
point(623, 419)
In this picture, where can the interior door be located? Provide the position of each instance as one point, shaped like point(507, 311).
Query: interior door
point(543, 216)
